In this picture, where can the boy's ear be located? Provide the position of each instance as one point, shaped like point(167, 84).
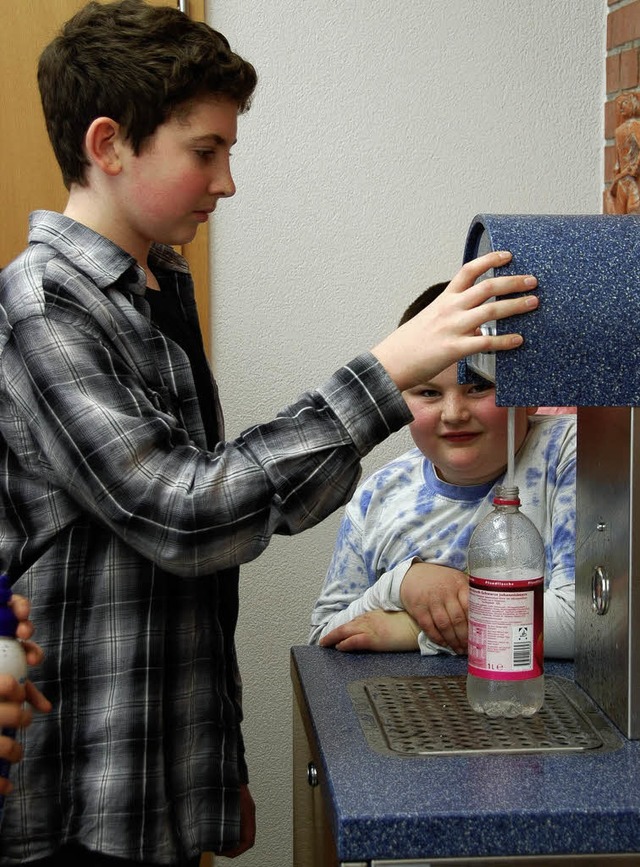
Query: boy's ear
point(103, 144)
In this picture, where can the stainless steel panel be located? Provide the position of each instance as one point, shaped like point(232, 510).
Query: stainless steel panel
point(607, 589)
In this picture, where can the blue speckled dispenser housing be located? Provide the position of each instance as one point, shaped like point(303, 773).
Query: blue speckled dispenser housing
point(582, 346)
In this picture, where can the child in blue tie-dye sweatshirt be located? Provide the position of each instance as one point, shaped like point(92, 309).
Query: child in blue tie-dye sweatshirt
point(397, 580)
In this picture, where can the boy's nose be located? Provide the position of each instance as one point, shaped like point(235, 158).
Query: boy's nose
point(223, 185)
point(229, 187)
point(454, 409)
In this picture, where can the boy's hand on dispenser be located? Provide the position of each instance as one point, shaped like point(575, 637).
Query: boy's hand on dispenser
point(448, 329)
point(437, 598)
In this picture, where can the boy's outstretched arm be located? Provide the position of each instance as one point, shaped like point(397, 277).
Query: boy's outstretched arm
point(448, 328)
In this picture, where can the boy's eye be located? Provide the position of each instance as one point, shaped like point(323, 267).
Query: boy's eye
point(481, 388)
point(205, 155)
point(208, 154)
point(430, 393)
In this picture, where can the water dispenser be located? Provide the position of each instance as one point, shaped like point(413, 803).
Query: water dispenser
point(582, 348)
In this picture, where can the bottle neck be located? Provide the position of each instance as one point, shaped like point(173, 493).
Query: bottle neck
point(506, 498)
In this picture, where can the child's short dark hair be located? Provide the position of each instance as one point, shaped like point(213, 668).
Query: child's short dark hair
point(136, 64)
point(423, 300)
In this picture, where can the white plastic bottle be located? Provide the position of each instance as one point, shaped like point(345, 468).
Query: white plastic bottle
point(506, 588)
point(12, 659)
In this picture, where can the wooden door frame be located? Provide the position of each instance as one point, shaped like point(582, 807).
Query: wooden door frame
point(197, 251)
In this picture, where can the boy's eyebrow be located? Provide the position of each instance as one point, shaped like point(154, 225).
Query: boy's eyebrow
point(422, 385)
point(212, 138)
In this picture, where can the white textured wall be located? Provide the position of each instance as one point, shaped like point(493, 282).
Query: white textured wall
point(378, 130)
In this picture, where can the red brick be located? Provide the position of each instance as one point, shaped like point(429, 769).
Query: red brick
point(614, 29)
point(629, 68)
point(623, 25)
point(613, 73)
point(609, 118)
point(630, 21)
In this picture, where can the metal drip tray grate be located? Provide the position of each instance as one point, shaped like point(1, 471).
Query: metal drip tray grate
point(430, 716)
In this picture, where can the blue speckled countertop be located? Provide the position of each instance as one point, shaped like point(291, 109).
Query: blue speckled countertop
point(390, 807)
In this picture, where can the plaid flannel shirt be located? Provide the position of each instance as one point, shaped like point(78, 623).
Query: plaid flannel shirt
point(125, 532)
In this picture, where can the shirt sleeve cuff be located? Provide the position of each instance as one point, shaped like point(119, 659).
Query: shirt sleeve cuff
point(429, 647)
point(367, 402)
point(397, 576)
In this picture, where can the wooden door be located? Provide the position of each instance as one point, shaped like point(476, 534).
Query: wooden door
point(30, 174)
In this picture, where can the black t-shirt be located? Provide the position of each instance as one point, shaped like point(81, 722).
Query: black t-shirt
point(167, 314)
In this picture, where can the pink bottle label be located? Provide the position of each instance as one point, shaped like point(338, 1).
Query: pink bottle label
point(505, 628)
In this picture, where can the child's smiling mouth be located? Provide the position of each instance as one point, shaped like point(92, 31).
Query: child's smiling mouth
point(459, 437)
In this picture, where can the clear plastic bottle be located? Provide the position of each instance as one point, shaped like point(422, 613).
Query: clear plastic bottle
point(12, 658)
point(506, 587)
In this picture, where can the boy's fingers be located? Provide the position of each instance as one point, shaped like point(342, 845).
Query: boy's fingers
point(496, 344)
point(10, 749)
point(34, 652)
point(10, 689)
point(36, 699)
point(21, 606)
point(475, 268)
point(516, 283)
point(12, 697)
point(14, 716)
point(499, 288)
point(499, 310)
point(504, 307)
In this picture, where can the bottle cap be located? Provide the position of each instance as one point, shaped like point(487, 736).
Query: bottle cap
point(8, 620)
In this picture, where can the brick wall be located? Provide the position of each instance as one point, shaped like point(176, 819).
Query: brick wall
point(622, 67)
